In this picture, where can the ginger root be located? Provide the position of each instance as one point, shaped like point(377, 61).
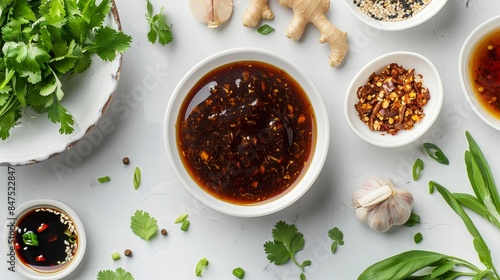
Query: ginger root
point(257, 10)
point(305, 11)
point(313, 11)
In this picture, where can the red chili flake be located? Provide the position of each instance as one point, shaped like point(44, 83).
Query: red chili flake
point(17, 246)
point(42, 227)
point(40, 258)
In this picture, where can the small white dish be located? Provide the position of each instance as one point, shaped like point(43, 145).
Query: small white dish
point(87, 97)
point(429, 11)
point(464, 64)
point(431, 80)
point(316, 158)
point(62, 234)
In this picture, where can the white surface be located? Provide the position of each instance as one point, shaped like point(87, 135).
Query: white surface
point(321, 137)
point(132, 127)
point(466, 79)
point(431, 80)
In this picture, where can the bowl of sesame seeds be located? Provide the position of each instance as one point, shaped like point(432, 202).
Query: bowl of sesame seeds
point(394, 15)
point(46, 240)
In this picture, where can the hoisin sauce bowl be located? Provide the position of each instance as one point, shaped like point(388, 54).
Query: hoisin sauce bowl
point(319, 145)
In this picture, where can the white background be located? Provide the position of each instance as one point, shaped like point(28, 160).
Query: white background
point(134, 128)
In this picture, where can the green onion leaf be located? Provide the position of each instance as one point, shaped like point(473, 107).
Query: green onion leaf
point(181, 218)
point(417, 237)
point(185, 225)
point(30, 238)
point(239, 273)
point(418, 166)
point(413, 220)
point(265, 29)
point(104, 179)
point(137, 178)
point(436, 153)
point(202, 264)
point(115, 256)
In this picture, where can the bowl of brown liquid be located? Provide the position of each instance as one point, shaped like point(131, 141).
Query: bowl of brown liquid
point(246, 132)
point(479, 69)
point(46, 240)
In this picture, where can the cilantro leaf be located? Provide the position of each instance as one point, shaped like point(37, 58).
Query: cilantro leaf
point(143, 225)
point(95, 14)
point(58, 114)
point(287, 242)
point(107, 42)
point(338, 238)
point(158, 28)
point(119, 274)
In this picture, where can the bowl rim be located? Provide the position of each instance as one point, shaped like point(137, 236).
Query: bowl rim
point(437, 100)
point(468, 46)
point(317, 156)
point(82, 245)
point(421, 17)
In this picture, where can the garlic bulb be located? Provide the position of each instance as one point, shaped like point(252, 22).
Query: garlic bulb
point(212, 12)
point(379, 204)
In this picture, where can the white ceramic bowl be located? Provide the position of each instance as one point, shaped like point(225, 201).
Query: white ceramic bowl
point(424, 15)
point(431, 80)
point(466, 79)
point(316, 158)
point(87, 97)
point(46, 272)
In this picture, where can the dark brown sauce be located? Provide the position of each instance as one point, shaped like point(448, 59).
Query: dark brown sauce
point(485, 72)
point(245, 131)
point(54, 235)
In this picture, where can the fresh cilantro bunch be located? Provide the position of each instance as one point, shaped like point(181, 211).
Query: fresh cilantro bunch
point(287, 242)
point(42, 41)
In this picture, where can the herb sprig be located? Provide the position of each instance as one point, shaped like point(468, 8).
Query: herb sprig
point(159, 30)
point(119, 273)
point(143, 225)
point(41, 42)
point(287, 242)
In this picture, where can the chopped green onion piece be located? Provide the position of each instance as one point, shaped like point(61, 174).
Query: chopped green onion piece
point(115, 256)
point(265, 29)
point(239, 273)
point(104, 179)
point(202, 264)
point(181, 218)
point(435, 152)
point(137, 178)
point(30, 238)
point(418, 237)
point(185, 225)
point(413, 220)
point(418, 166)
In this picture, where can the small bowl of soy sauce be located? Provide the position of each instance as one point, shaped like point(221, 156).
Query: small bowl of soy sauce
point(47, 239)
point(479, 69)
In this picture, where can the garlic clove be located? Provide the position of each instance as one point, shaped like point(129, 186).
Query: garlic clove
point(212, 12)
point(379, 204)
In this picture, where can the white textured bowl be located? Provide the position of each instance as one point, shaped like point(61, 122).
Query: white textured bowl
point(87, 97)
point(424, 15)
point(316, 158)
point(431, 80)
point(466, 79)
point(38, 273)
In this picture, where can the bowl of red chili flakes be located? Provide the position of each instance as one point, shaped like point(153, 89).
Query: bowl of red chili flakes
point(246, 132)
point(394, 99)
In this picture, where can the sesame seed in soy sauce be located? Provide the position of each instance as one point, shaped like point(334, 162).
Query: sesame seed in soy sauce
point(46, 239)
